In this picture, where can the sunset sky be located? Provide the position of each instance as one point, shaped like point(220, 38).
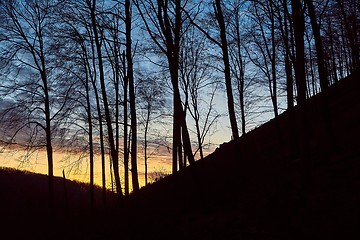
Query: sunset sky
point(76, 166)
point(54, 86)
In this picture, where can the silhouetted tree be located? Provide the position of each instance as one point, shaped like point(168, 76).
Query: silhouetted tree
point(225, 55)
point(28, 52)
point(97, 39)
point(163, 20)
point(221, 41)
point(70, 66)
point(265, 39)
point(286, 33)
point(130, 76)
point(80, 69)
point(151, 99)
point(323, 76)
point(236, 56)
point(299, 65)
point(117, 60)
point(349, 11)
point(198, 81)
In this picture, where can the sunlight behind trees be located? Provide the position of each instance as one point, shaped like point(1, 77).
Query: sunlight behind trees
point(123, 79)
point(76, 166)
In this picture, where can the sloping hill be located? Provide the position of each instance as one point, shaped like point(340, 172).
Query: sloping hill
point(26, 214)
point(295, 177)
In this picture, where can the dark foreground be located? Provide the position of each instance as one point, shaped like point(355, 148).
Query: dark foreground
point(296, 177)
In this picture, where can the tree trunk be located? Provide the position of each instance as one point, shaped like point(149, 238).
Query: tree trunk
point(90, 136)
point(101, 131)
point(241, 76)
point(173, 50)
point(126, 150)
point(180, 127)
point(130, 74)
point(224, 48)
point(49, 153)
point(299, 29)
point(113, 153)
point(273, 65)
point(117, 60)
point(300, 79)
point(171, 31)
point(287, 60)
point(101, 136)
point(102, 150)
point(176, 136)
point(198, 131)
point(186, 141)
point(145, 142)
point(49, 150)
point(323, 75)
point(352, 35)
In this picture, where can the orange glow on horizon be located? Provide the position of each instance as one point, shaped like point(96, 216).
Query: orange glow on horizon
point(76, 165)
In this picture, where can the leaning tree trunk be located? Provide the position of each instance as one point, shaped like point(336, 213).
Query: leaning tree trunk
point(224, 48)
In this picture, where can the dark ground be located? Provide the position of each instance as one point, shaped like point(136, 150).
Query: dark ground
point(296, 177)
point(271, 183)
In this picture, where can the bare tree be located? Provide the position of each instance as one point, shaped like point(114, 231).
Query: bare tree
point(299, 30)
point(286, 33)
point(117, 60)
point(163, 20)
point(78, 65)
point(350, 17)
point(130, 76)
point(265, 39)
point(237, 58)
point(27, 50)
point(225, 55)
point(91, 5)
point(151, 99)
point(223, 44)
point(199, 84)
point(323, 76)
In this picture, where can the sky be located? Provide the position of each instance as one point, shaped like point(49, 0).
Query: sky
point(78, 170)
point(76, 166)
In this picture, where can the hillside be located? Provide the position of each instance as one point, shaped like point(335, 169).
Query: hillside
point(295, 177)
point(270, 184)
point(25, 213)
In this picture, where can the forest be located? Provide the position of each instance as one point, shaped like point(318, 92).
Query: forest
point(119, 79)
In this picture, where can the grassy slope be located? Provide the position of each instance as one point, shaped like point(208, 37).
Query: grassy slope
point(253, 188)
